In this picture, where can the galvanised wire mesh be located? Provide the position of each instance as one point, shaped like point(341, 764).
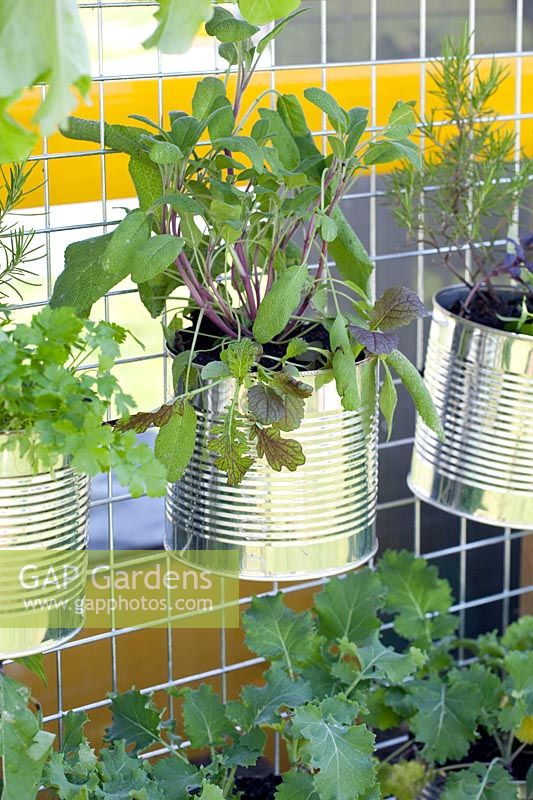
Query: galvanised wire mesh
point(369, 52)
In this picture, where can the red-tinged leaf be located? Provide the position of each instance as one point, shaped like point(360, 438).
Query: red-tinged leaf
point(278, 452)
point(397, 306)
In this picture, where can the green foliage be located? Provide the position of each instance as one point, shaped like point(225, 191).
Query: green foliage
point(39, 41)
point(238, 253)
point(24, 747)
point(175, 441)
point(414, 594)
point(52, 412)
point(470, 164)
point(330, 682)
point(412, 380)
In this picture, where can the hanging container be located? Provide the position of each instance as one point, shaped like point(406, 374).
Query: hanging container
point(481, 381)
point(313, 522)
point(43, 528)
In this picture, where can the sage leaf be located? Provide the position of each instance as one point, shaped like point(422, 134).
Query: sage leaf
point(155, 256)
point(165, 153)
point(279, 452)
point(175, 441)
point(246, 145)
point(412, 380)
point(259, 12)
point(124, 138)
point(385, 151)
point(146, 177)
point(178, 22)
point(352, 260)
point(276, 30)
point(279, 303)
point(388, 399)
point(344, 365)
point(206, 93)
point(215, 369)
point(338, 118)
point(328, 229)
point(402, 120)
point(227, 28)
point(397, 306)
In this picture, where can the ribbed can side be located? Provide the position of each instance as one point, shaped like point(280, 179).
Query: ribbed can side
point(39, 512)
point(315, 521)
point(481, 381)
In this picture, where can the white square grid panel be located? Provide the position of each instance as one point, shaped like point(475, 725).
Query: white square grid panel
point(484, 564)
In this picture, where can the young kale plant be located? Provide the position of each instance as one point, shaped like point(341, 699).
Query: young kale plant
point(54, 402)
point(239, 220)
point(333, 683)
point(463, 201)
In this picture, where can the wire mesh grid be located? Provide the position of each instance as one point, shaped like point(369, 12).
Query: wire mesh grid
point(482, 563)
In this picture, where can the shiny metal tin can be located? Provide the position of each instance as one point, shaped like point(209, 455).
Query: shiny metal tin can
point(481, 381)
point(313, 522)
point(43, 520)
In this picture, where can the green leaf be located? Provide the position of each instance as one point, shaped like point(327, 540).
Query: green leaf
point(397, 306)
point(186, 132)
point(277, 633)
point(73, 736)
point(414, 591)
point(211, 792)
point(124, 138)
point(342, 754)
point(94, 266)
point(404, 780)
point(295, 348)
point(412, 380)
point(279, 303)
point(43, 42)
point(385, 151)
point(338, 118)
point(480, 782)
point(165, 153)
point(176, 778)
point(73, 777)
point(292, 394)
point(352, 260)
point(259, 12)
point(215, 369)
point(121, 773)
point(263, 703)
point(155, 256)
point(402, 120)
point(519, 635)
point(176, 440)
point(24, 747)
point(136, 720)
point(16, 143)
point(358, 121)
point(375, 662)
point(297, 786)
point(221, 121)
point(229, 441)
point(240, 357)
point(246, 145)
point(348, 608)
point(181, 203)
point(445, 721)
point(206, 93)
point(276, 30)
point(246, 749)
point(34, 664)
point(146, 177)
point(265, 405)
point(344, 365)
point(328, 229)
point(279, 452)
point(227, 28)
point(204, 717)
point(388, 398)
point(178, 22)
point(281, 138)
point(519, 666)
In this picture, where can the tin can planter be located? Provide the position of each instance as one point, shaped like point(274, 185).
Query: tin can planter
point(43, 527)
point(481, 380)
point(309, 523)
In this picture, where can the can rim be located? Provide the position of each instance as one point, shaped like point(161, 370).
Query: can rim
point(524, 337)
point(312, 373)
